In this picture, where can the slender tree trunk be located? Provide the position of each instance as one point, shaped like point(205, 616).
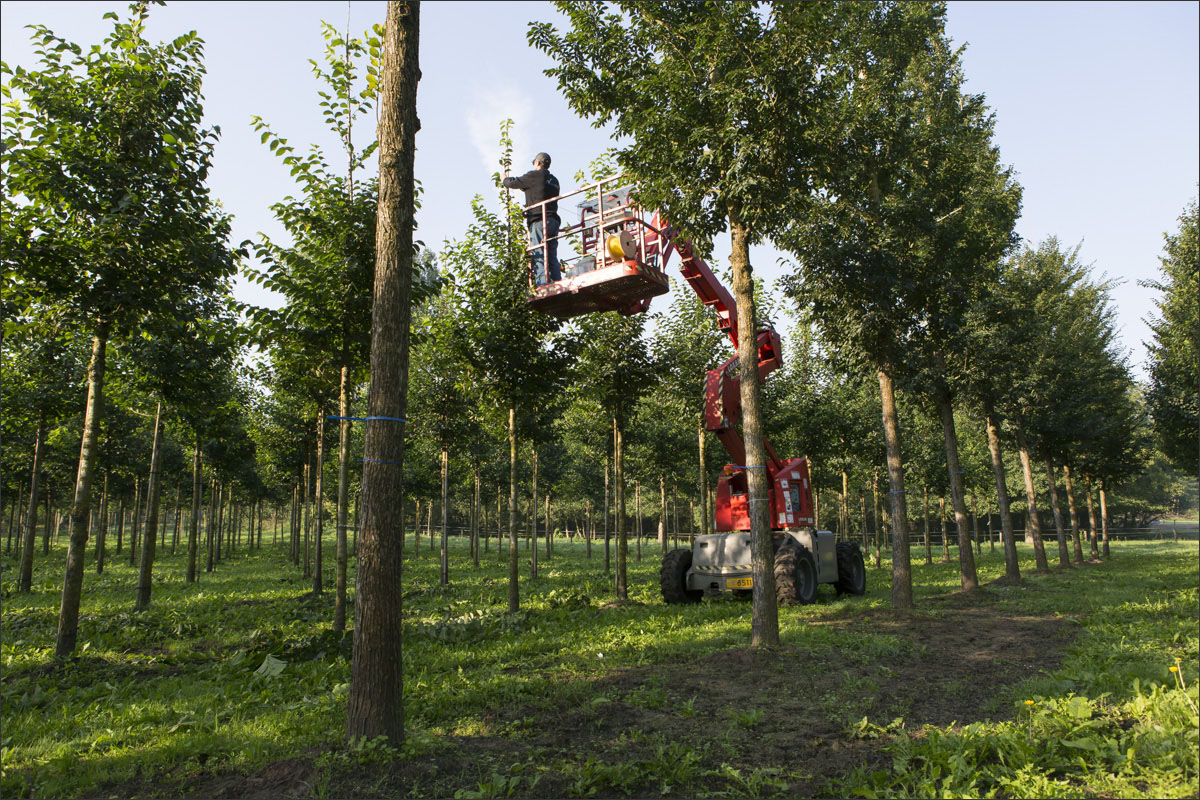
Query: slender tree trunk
point(25, 576)
point(46, 532)
point(1012, 568)
point(705, 514)
point(637, 502)
point(476, 517)
point(878, 514)
point(150, 538)
point(1093, 534)
point(942, 522)
point(1104, 520)
point(219, 520)
point(194, 521)
point(214, 502)
point(662, 513)
point(1073, 511)
point(306, 505)
point(901, 569)
point(102, 534)
point(444, 560)
point(514, 594)
point(319, 508)
point(1033, 525)
point(928, 548)
point(177, 522)
point(622, 577)
point(590, 532)
point(376, 703)
point(549, 529)
point(966, 559)
point(136, 529)
point(764, 625)
point(1064, 557)
point(68, 615)
point(343, 495)
point(533, 519)
point(606, 496)
point(975, 524)
point(844, 508)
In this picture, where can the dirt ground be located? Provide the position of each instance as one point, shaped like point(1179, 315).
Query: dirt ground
point(786, 709)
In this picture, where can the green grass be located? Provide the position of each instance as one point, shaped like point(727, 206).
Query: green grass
point(240, 671)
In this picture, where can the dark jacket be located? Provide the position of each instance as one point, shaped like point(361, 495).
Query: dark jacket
point(539, 185)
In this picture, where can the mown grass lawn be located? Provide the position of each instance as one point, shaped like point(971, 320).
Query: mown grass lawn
point(236, 686)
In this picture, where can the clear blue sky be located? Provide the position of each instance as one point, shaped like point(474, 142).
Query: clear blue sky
point(1097, 106)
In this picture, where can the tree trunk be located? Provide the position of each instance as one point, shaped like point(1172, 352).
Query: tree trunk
point(533, 521)
point(1064, 557)
point(975, 524)
point(606, 496)
point(1104, 519)
point(136, 528)
point(25, 576)
point(1012, 568)
point(514, 595)
point(844, 509)
point(102, 535)
point(376, 703)
point(476, 517)
point(901, 569)
point(764, 624)
point(1093, 534)
point(343, 501)
point(150, 538)
point(705, 514)
point(622, 579)
point(589, 532)
point(319, 508)
point(1073, 511)
point(194, 522)
point(637, 503)
point(662, 514)
point(177, 522)
point(877, 512)
point(928, 547)
point(68, 615)
point(444, 558)
point(46, 532)
point(966, 559)
point(1033, 525)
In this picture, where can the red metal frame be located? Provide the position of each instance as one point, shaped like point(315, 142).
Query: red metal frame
point(627, 285)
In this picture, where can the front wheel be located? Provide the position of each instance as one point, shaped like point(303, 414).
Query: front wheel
point(795, 574)
point(672, 578)
point(852, 572)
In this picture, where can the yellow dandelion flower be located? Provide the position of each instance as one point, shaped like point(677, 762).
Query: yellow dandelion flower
point(1028, 702)
point(1174, 669)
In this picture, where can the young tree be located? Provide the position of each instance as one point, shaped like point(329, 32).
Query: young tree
point(376, 702)
point(1174, 392)
point(710, 97)
point(93, 239)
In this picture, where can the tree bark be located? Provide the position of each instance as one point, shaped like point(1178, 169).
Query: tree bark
point(150, 537)
point(533, 521)
point(444, 556)
point(1104, 519)
point(1064, 557)
point(514, 593)
point(102, 535)
point(25, 575)
point(966, 559)
point(902, 597)
point(662, 514)
point(343, 504)
point(764, 623)
point(621, 585)
point(606, 534)
point(1033, 525)
point(705, 512)
point(194, 522)
point(1073, 511)
point(136, 528)
point(376, 703)
point(637, 504)
point(1012, 568)
point(476, 517)
point(1093, 534)
point(928, 547)
point(68, 615)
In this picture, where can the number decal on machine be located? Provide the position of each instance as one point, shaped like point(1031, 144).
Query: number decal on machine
point(739, 583)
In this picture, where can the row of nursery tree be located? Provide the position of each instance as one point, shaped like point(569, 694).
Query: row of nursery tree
point(935, 365)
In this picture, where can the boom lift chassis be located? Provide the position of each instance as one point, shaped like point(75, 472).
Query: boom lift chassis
point(624, 254)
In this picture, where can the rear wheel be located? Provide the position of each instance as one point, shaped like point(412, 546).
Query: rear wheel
point(673, 578)
point(852, 572)
point(795, 574)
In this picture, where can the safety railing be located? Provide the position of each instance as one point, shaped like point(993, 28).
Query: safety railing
point(607, 209)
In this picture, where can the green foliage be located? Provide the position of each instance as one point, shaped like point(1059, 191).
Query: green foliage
point(1173, 396)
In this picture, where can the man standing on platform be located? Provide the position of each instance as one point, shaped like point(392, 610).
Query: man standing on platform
point(539, 185)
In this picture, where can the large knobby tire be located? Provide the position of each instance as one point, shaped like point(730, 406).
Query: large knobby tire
point(673, 578)
point(795, 574)
point(852, 572)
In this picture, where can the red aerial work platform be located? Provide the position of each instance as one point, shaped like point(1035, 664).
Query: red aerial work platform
point(620, 268)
